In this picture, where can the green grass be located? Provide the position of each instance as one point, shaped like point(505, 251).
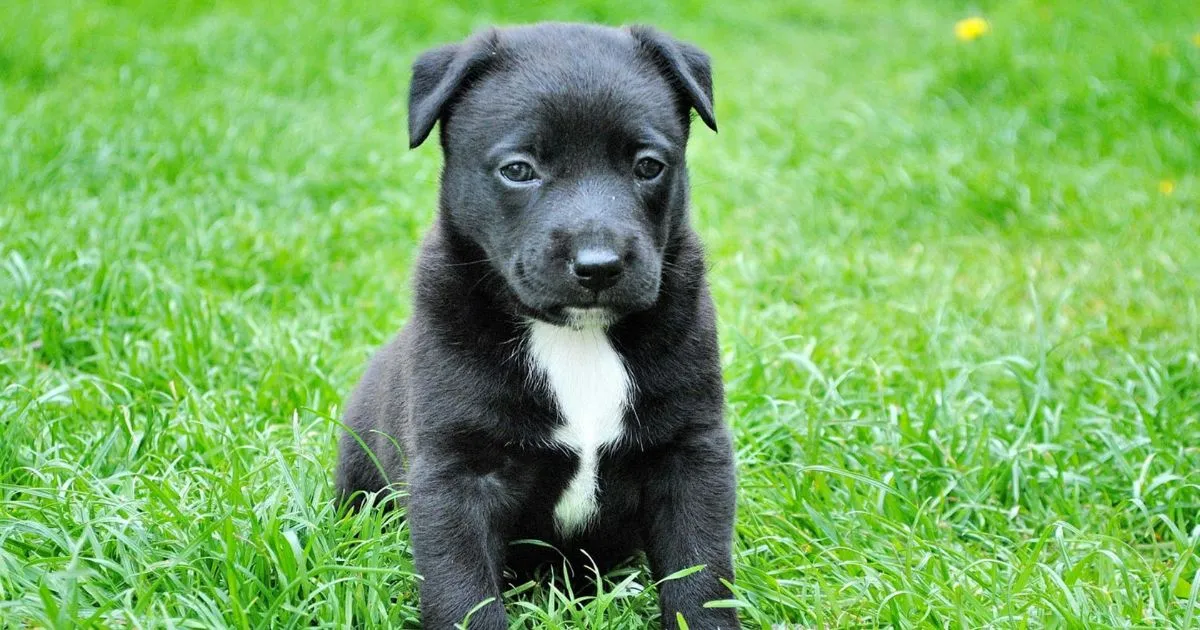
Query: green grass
point(958, 303)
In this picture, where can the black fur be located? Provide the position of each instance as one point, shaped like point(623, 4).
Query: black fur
point(455, 391)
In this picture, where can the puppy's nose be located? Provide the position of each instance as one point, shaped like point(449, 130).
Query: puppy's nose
point(597, 269)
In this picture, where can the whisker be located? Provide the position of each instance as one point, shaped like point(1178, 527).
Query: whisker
point(468, 263)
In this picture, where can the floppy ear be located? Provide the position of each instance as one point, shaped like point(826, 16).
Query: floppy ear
point(687, 66)
point(438, 74)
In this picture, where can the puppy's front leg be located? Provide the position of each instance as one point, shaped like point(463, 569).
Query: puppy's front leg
point(458, 549)
point(691, 502)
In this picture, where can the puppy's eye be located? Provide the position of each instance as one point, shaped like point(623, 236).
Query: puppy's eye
point(518, 172)
point(648, 168)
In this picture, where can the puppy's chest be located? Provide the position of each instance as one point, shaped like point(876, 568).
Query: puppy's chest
point(591, 388)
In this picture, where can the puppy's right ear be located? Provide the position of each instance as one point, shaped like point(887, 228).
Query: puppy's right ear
point(438, 75)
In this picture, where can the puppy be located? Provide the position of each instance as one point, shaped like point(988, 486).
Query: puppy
point(559, 378)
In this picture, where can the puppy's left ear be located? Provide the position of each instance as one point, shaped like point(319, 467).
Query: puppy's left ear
point(438, 75)
point(687, 66)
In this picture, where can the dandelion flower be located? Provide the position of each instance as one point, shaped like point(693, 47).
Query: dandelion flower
point(971, 29)
point(1166, 187)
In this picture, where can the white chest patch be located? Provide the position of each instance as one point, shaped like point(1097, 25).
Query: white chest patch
point(589, 382)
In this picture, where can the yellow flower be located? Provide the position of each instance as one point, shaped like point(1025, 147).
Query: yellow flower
point(971, 28)
point(1166, 187)
point(1196, 39)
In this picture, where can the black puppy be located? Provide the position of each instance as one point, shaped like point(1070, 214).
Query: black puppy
point(559, 378)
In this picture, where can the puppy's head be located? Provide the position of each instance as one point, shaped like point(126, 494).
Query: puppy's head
point(564, 157)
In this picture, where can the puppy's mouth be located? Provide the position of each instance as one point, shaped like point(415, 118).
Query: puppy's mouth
point(592, 311)
point(575, 314)
point(560, 301)
point(586, 318)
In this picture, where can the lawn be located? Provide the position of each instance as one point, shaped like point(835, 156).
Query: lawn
point(958, 285)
